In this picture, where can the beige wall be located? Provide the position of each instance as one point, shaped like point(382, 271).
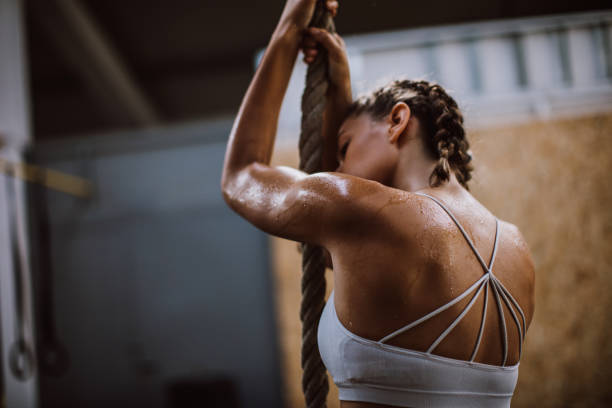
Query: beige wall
point(554, 180)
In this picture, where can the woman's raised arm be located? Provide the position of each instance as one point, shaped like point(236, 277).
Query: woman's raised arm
point(280, 200)
point(252, 136)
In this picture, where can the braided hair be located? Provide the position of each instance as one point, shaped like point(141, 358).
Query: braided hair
point(439, 116)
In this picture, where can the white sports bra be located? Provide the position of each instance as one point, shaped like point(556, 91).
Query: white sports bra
point(372, 371)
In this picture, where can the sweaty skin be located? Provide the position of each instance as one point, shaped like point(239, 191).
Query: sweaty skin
point(396, 256)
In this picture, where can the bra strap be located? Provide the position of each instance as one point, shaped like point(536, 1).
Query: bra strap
point(500, 294)
point(467, 237)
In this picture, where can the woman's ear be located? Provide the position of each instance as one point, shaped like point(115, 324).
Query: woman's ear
point(398, 121)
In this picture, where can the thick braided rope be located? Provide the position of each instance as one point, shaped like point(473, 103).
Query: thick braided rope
point(314, 376)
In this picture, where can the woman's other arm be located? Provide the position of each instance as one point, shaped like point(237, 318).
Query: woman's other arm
point(339, 95)
point(252, 137)
point(280, 200)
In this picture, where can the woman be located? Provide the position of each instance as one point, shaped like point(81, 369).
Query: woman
point(419, 315)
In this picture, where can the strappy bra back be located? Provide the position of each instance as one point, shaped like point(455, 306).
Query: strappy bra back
point(373, 371)
point(488, 280)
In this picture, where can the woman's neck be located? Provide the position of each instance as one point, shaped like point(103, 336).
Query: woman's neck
point(414, 169)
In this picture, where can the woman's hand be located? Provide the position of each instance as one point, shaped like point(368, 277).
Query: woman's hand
point(339, 95)
point(339, 73)
point(298, 13)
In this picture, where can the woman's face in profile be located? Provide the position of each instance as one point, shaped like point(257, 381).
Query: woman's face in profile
point(364, 149)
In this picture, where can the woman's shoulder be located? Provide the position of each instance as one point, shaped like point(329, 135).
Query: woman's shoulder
point(514, 241)
point(369, 197)
point(367, 208)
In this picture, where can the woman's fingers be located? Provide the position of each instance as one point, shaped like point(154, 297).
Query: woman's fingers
point(309, 42)
point(309, 48)
point(310, 52)
point(326, 39)
point(332, 6)
point(333, 43)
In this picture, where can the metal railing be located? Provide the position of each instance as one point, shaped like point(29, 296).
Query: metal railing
point(499, 71)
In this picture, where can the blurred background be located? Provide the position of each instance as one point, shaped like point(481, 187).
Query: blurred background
point(126, 281)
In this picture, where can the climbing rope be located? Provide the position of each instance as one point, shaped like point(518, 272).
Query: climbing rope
point(314, 376)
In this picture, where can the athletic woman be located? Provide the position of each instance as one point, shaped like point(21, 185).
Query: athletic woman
point(432, 294)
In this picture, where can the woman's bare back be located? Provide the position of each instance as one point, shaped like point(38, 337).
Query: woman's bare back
point(414, 259)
